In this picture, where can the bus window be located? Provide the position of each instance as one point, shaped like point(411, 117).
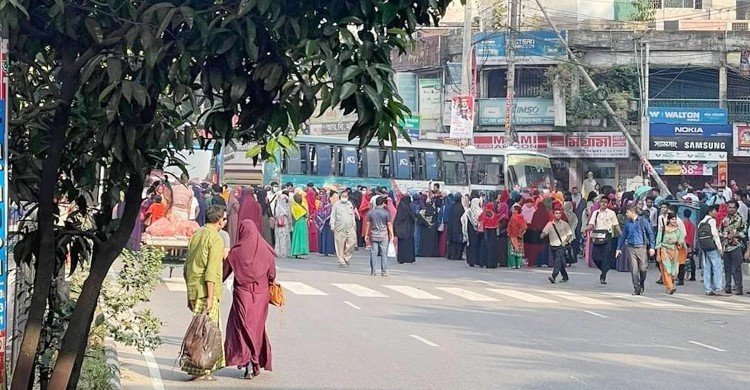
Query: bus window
point(403, 166)
point(322, 161)
point(304, 159)
point(385, 163)
point(290, 164)
point(455, 173)
point(431, 165)
point(348, 162)
point(528, 171)
point(373, 162)
point(487, 170)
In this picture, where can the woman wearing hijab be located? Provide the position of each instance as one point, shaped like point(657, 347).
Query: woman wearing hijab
point(250, 208)
point(313, 233)
point(283, 216)
point(528, 209)
point(443, 225)
point(454, 230)
point(427, 219)
point(504, 219)
point(326, 244)
point(233, 215)
point(533, 243)
point(516, 230)
point(490, 221)
point(416, 206)
point(364, 209)
point(200, 218)
point(300, 236)
point(356, 198)
point(471, 231)
point(252, 262)
point(403, 229)
point(265, 210)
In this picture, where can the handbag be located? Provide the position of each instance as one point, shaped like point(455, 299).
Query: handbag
point(391, 250)
point(202, 345)
point(276, 294)
point(280, 222)
point(599, 237)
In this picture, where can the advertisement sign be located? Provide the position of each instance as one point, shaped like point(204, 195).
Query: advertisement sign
point(723, 171)
point(690, 142)
point(528, 111)
point(411, 125)
point(741, 140)
point(682, 115)
point(425, 52)
point(685, 170)
point(332, 122)
point(430, 98)
point(538, 46)
point(4, 63)
point(462, 117)
point(406, 85)
point(610, 144)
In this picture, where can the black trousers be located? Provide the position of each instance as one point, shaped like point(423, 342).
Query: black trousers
point(602, 255)
point(558, 262)
point(733, 269)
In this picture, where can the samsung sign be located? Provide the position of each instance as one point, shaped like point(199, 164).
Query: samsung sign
point(682, 115)
point(704, 142)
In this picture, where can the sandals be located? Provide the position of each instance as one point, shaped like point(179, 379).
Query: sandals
point(203, 378)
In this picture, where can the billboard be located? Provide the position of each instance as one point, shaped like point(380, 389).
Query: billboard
point(528, 111)
point(682, 115)
point(531, 46)
point(691, 142)
point(600, 144)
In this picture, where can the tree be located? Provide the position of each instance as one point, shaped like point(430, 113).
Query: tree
point(643, 11)
point(119, 85)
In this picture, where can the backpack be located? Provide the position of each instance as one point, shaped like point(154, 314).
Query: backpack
point(705, 236)
point(202, 345)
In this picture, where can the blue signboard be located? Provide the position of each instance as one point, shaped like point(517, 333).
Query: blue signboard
point(491, 45)
point(690, 130)
point(682, 115)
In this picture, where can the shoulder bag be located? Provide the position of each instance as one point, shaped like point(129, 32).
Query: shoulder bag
point(276, 294)
point(202, 345)
point(569, 256)
point(599, 236)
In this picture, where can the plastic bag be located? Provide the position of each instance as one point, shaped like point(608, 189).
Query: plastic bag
point(391, 250)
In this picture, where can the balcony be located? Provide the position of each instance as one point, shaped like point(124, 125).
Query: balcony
point(739, 109)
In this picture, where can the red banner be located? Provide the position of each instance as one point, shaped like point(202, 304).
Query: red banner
point(563, 145)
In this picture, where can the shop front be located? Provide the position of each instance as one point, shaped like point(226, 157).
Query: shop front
point(572, 154)
point(739, 169)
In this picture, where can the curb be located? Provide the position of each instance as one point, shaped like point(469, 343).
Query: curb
point(113, 363)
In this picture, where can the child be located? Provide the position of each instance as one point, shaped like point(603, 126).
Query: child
point(155, 212)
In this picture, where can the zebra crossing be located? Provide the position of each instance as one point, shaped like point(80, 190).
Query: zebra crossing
point(505, 295)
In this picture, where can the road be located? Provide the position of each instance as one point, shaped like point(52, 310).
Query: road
point(439, 324)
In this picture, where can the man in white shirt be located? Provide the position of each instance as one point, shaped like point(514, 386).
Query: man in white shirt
point(653, 213)
point(560, 236)
point(713, 265)
point(690, 196)
point(602, 224)
point(742, 209)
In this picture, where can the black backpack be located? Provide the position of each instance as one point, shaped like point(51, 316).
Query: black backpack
point(705, 237)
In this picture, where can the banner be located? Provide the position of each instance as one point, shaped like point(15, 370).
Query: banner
point(531, 47)
point(462, 117)
point(406, 85)
point(528, 111)
point(741, 140)
point(430, 98)
point(610, 144)
point(683, 115)
point(411, 124)
point(689, 142)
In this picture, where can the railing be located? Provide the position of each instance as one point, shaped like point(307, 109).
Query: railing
point(739, 109)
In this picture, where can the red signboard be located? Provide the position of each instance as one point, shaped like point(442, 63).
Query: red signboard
point(563, 145)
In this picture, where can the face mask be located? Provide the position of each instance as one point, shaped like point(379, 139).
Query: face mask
point(275, 189)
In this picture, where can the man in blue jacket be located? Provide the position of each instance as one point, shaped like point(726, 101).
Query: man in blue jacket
point(639, 237)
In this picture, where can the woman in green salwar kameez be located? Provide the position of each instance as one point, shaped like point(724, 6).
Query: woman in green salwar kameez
point(300, 239)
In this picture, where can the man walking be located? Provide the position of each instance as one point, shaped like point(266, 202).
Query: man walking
point(344, 226)
point(560, 236)
point(378, 233)
point(732, 236)
point(203, 275)
point(638, 235)
point(710, 244)
point(602, 224)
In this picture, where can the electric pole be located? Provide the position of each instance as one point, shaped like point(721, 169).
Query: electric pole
point(466, 52)
point(510, 93)
point(643, 157)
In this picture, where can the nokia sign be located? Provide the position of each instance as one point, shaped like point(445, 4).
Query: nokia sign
point(684, 130)
point(688, 129)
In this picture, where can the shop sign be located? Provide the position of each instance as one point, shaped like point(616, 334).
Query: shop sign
point(723, 171)
point(610, 144)
point(691, 142)
point(406, 85)
point(685, 170)
point(462, 117)
point(741, 138)
point(425, 53)
point(681, 115)
point(430, 98)
point(537, 46)
point(528, 111)
point(411, 125)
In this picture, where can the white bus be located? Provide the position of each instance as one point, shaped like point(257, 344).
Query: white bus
point(508, 168)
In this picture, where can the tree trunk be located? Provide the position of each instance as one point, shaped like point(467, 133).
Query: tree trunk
point(68, 364)
point(45, 257)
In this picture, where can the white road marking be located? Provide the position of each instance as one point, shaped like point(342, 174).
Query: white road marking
point(644, 300)
point(353, 305)
point(300, 288)
point(176, 286)
point(595, 314)
point(466, 294)
point(707, 346)
point(577, 298)
point(424, 341)
point(521, 296)
point(153, 370)
point(360, 291)
point(548, 270)
point(487, 283)
point(413, 292)
point(716, 302)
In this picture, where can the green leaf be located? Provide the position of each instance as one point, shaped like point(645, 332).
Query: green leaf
point(285, 141)
point(114, 69)
point(140, 94)
point(311, 48)
point(350, 72)
point(272, 81)
point(347, 90)
point(227, 44)
point(239, 85)
point(254, 151)
point(351, 20)
point(127, 90)
point(272, 146)
point(94, 29)
point(376, 78)
point(374, 97)
point(107, 91)
point(130, 137)
point(19, 7)
point(165, 22)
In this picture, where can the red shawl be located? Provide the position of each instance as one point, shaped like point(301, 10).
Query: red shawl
point(517, 225)
point(250, 209)
point(489, 218)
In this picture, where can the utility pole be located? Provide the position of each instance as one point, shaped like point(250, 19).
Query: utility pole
point(643, 157)
point(645, 120)
point(466, 52)
point(510, 93)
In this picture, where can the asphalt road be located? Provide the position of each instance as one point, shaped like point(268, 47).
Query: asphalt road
point(440, 324)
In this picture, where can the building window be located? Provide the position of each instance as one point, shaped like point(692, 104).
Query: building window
point(678, 4)
point(655, 4)
point(698, 4)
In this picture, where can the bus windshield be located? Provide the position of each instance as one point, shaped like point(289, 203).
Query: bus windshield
point(487, 170)
point(455, 173)
point(529, 171)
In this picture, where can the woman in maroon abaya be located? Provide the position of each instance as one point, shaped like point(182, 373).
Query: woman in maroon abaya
point(252, 262)
point(250, 209)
